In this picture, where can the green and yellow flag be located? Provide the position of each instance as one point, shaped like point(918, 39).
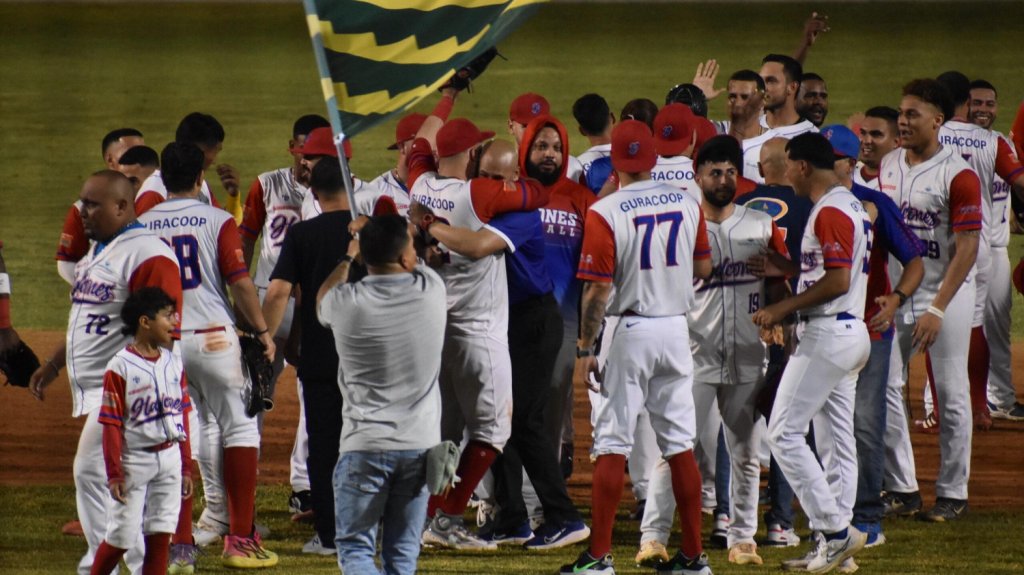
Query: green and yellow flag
point(381, 57)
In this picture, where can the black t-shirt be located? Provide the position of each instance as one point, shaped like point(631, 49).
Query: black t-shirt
point(311, 251)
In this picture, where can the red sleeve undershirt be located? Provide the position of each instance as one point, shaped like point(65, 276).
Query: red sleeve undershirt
point(778, 242)
point(230, 258)
point(493, 197)
point(145, 202)
point(73, 244)
point(834, 230)
point(420, 160)
point(1007, 166)
point(701, 246)
point(597, 258)
point(112, 418)
point(965, 202)
point(255, 213)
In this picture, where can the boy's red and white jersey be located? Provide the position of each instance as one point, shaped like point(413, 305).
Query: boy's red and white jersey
point(726, 345)
point(644, 239)
point(153, 192)
point(209, 251)
point(677, 171)
point(938, 197)
point(132, 260)
point(274, 203)
point(838, 235)
point(145, 397)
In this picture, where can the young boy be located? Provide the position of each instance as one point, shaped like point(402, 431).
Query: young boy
point(145, 435)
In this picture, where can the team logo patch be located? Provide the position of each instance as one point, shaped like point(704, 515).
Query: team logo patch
point(771, 206)
point(535, 108)
point(666, 132)
point(634, 148)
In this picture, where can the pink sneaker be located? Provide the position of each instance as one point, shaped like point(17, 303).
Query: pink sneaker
point(246, 553)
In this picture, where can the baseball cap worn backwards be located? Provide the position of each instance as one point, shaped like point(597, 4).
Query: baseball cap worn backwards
point(407, 128)
point(845, 144)
point(633, 147)
point(459, 135)
point(320, 142)
point(527, 107)
point(673, 130)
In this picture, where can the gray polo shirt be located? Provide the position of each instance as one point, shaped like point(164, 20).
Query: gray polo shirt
point(388, 330)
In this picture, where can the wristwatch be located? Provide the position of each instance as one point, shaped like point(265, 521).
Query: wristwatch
point(903, 297)
point(584, 352)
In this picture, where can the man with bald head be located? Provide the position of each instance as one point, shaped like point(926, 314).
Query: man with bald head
point(534, 336)
point(123, 258)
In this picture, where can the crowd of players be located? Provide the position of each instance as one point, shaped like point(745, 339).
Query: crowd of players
point(671, 268)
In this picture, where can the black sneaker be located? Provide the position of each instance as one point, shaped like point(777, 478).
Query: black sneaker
point(682, 565)
point(901, 504)
point(945, 510)
point(587, 564)
point(300, 504)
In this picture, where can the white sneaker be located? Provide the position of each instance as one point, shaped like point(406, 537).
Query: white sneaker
point(720, 531)
point(208, 531)
point(315, 547)
point(780, 537)
point(829, 554)
point(448, 531)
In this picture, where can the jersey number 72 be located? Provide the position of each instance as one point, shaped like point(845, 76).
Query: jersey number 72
point(650, 222)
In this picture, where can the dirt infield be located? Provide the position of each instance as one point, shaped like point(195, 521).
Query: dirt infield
point(38, 440)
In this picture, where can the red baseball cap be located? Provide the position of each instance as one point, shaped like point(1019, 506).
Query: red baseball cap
point(705, 131)
point(673, 130)
point(320, 142)
point(527, 107)
point(459, 135)
point(407, 128)
point(633, 147)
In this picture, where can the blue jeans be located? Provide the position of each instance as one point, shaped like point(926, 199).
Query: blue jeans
point(371, 486)
point(869, 431)
point(723, 472)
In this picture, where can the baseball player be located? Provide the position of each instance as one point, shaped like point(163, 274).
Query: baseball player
point(728, 353)
point(820, 378)
point(73, 243)
point(1002, 398)
point(392, 183)
point(123, 258)
point(879, 135)
point(674, 138)
point(205, 132)
point(940, 197)
point(206, 242)
point(648, 241)
point(476, 379)
point(145, 435)
point(596, 121)
point(137, 164)
point(320, 144)
point(812, 99)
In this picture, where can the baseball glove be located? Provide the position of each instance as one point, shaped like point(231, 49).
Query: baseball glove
point(462, 79)
point(18, 364)
point(261, 375)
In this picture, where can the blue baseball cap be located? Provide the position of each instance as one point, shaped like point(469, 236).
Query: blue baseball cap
point(845, 144)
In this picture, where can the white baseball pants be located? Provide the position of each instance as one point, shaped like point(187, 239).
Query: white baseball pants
point(997, 329)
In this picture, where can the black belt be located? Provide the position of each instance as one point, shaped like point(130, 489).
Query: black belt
point(841, 316)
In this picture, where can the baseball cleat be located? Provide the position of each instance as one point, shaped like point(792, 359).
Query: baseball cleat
point(720, 531)
point(745, 554)
point(207, 531)
point(829, 553)
point(300, 505)
point(683, 565)
point(651, 554)
point(587, 564)
point(901, 504)
point(779, 536)
point(929, 425)
point(449, 531)
point(246, 553)
point(182, 560)
point(945, 509)
point(1014, 412)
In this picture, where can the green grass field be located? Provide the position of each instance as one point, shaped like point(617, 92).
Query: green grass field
point(72, 72)
point(982, 543)
point(69, 73)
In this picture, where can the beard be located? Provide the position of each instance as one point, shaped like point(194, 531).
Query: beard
point(545, 176)
point(720, 197)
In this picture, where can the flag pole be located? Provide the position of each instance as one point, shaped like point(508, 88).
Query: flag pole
point(313, 21)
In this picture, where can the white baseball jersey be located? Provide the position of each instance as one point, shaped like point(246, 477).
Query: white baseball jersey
point(387, 184)
point(145, 397)
point(752, 146)
point(103, 280)
point(644, 239)
point(938, 197)
point(677, 171)
point(838, 234)
point(274, 203)
point(206, 242)
point(477, 289)
point(726, 345)
point(575, 169)
point(311, 207)
point(859, 179)
point(595, 152)
point(978, 147)
point(153, 192)
point(999, 231)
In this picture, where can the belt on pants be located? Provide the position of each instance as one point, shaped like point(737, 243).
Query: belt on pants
point(841, 316)
point(208, 330)
point(159, 447)
point(631, 313)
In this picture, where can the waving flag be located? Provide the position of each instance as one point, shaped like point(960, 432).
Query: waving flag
point(381, 57)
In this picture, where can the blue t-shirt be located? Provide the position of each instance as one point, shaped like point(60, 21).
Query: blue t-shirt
point(789, 211)
point(600, 170)
point(527, 275)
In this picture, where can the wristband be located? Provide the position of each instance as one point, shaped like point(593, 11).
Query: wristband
point(443, 108)
point(5, 284)
point(936, 312)
point(903, 297)
point(345, 259)
point(263, 331)
point(56, 370)
point(584, 352)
